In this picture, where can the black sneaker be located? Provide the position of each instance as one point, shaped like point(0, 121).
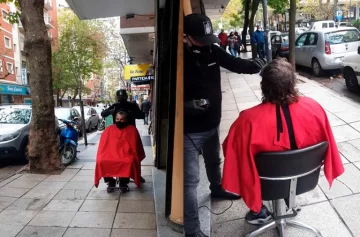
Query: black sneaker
point(261, 218)
point(111, 186)
point(124, 188)
point(222, 194)
point(142, 180)
point(197, 234)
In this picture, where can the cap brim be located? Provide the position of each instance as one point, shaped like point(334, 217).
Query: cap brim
point(207, 40)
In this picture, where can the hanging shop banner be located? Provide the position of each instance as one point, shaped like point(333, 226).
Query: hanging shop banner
point(138, 72)
point(8, 89)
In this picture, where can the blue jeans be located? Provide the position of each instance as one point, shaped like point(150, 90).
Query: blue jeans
point(233, 51)
point(209, 143)
point(261, 50)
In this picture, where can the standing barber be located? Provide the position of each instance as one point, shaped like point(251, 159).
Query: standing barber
point(202, 112)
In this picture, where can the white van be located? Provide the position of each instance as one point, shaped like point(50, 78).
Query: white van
point(318, 25)
point(351, 71)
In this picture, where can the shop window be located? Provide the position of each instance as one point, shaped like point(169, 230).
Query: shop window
point(7, 41)
point(10, 68)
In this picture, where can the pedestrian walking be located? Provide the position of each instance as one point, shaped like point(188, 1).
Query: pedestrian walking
point(145, 107)
point(259, 41)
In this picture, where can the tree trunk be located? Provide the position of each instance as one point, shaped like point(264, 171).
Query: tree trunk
point(255, 6)
point(43, 152)
point(76, 92)
point(246, 23)
point(292, 32)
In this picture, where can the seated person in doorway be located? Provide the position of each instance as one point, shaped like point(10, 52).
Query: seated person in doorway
point(263, 128)
point(119, 155)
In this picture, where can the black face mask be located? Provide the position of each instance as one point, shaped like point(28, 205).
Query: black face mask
point(198, 50)
point(121, 125)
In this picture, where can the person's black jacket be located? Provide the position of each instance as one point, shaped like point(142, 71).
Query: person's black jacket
point(133, 111)
point(202, 81)
point(145, 106)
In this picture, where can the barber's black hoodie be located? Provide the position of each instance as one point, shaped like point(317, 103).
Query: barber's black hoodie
point(202, 80)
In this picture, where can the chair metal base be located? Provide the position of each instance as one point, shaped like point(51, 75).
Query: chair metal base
point(281, 224)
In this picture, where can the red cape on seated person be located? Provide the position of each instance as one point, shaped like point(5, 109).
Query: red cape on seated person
point(255, 131)
point(119, 154)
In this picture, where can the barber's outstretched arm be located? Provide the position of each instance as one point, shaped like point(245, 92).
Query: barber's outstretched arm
point(138, 113)
point(238, 65)
point(107, 111)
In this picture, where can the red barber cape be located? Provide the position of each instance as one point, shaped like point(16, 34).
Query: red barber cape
point(255, 131)
point(119, 155)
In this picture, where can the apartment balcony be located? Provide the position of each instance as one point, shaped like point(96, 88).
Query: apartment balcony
point(48, 22)
point(48, 5)
point(21, 27)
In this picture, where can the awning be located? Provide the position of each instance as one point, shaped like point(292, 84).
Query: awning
point(11, 89)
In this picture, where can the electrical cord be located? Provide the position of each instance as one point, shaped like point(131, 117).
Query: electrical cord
point(219, 213)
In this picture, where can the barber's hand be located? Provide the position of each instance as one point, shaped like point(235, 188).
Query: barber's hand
point(259, 63)
point(190, 107)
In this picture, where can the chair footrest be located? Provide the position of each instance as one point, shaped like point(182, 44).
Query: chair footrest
point(276, 218)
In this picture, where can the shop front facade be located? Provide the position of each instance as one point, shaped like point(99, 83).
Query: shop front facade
point(14, 93)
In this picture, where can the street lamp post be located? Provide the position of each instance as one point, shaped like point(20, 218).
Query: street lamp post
point(267, 32)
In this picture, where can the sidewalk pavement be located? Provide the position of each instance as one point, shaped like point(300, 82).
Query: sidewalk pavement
point(333, 211)
point(69, 205)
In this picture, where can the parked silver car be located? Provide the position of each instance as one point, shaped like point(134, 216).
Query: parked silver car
point(91, 117)
point(325, 49)
point(14, 131)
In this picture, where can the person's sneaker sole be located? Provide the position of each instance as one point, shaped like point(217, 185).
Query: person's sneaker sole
point(262, 221)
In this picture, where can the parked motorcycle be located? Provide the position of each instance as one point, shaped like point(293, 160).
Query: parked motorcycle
point(68, 142)
point(101, 124)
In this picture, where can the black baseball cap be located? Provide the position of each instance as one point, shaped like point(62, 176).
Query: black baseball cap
point(200, 28)
point(121, 92)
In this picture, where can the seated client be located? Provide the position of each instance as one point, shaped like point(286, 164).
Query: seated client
point(119, 155)
point(263, 128)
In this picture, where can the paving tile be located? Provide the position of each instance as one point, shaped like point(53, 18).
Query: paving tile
point(6, 201)
point(241, 89)
point(29, 204)
point(41, 193)
point(85, 173)
point(348, 150)
point(53, 218)
point(344, 160)
point(355, 143)
point(230, 114)
point(246, 105)
point(136, 206)
point(76, 165)
point(93, 219)
point(99, 205)
point(83, 178)
point(314, 196)
point(349, 116)
point(89, 166)
point(79, 185)
point(321, 216)
point(22, 183)
point(36, 177)
point(59, 178)
point(338, 189)
point(10, 230)
point(88, 232)
point(102, 194)
point(351, 178)
point(244, 94)
point(72, 194)
point(357, 164)
point(334, 120)
point(229, 107)
point(10, 179)
point(226, 124)
point(348, 208)
point(247, 99)
point(50, 185)
point(13, 192)
point(16, 217)
point(135, 221)
point(138, 195)
point(63, 205)
point(133, 233)
point(345, 133)
point(38, 231)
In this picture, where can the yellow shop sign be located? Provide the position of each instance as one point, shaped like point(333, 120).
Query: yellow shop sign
point(138, 72)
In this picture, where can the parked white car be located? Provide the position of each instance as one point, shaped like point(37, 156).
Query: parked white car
point(318, 25)
point(351, 71)
point(325, 49)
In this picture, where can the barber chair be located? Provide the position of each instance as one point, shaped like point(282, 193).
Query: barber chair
point(284, 175)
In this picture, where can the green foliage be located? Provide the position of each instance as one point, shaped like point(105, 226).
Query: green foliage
point(80, 53)
point(356, 23)
point(279, 6)
point(237, 20)
point(13, 17)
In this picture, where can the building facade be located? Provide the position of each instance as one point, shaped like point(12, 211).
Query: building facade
point(14, 74)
